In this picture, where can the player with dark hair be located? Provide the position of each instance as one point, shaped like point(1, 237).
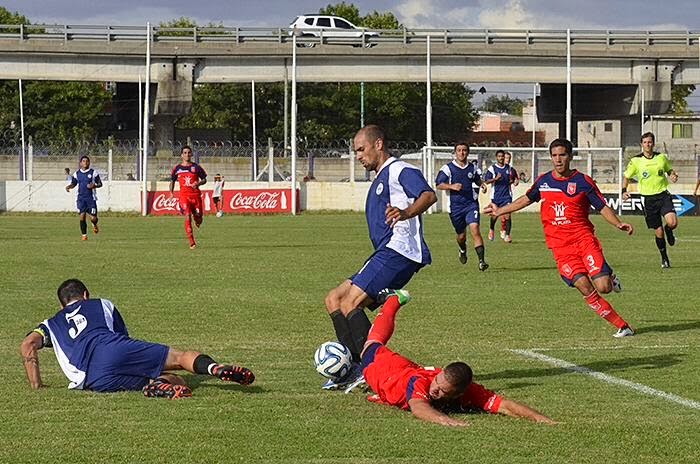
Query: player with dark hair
point(94, 350)
point(653, 170)
point(567, 196)
point(190, 176)
point(457, 177)
point(87, 180)
point(428, 392)
point(396, 199)
point(500, 176)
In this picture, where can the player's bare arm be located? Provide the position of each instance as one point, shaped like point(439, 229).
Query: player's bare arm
point(673, 176)
point(172, 188)
point(610, 216)
point(29, 349)
point(201, 182)
point(625, 184)
point(424, 411)
point(517, 205)
point(445, 186)
point(422, 203)
point(514, 409)
point(494, 180)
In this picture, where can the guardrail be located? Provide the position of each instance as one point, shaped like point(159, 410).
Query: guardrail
point(242, 35)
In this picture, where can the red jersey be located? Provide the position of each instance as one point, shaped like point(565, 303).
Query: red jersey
point(566, 204)
point(396, 380)
point(188, 177)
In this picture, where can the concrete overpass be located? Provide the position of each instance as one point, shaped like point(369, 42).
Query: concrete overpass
point(607, 66)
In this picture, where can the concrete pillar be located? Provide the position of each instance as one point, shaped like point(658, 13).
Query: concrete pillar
point(173, 100)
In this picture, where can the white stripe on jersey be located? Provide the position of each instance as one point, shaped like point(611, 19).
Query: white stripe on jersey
point(406, 235)
point(74, 375)
point(108, 308)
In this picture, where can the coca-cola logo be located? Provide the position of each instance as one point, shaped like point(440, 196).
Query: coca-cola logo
point(164, 203)
point(262, 200)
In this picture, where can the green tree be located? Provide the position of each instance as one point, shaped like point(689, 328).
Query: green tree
point(503, 104)
point(374, 20)
point(679, 102)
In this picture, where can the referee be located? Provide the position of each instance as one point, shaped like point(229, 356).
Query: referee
point(653, 170)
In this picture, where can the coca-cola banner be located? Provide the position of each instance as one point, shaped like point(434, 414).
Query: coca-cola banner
point(234, 201)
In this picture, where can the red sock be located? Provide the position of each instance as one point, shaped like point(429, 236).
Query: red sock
point(601, 306)
point(383, 326)
point(503, 224)
point(188, 230)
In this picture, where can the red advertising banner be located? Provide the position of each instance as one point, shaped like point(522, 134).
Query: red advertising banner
point(235, 201)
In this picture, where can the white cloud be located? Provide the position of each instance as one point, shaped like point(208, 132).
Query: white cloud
point(512, 15)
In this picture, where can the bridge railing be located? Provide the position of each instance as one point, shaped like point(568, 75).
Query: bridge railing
point(243, 35)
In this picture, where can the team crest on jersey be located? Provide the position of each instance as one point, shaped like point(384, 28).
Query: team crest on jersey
point(380, 189)
point(192, 169)
point(645, 174)
point(470, 175)
point(89, 176)
point(571, 188)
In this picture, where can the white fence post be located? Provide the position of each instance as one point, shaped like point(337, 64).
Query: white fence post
point(30, 160)
point(352, 165)
point(109, 165)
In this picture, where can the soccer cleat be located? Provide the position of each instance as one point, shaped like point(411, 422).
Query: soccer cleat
point(665, 264)
point(626, 331)
point(359, 381)
point(160, 389)
point(193, 246)
point(507, 239)
point(352, 377)
point(670, 238)
point(483, 265)
point(503, 235)
point(233, 374)
point(95, 229)
point(384, 295)
point(616, 284)
point(491, 234)
point(463, 256)
point(83, 238)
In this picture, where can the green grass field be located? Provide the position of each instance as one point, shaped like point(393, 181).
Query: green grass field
point(252, 293)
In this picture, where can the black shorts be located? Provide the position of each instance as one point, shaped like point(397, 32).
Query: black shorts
point(657, 206)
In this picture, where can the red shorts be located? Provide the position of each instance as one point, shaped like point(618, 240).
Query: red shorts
point(191, 204)
point(583, 257)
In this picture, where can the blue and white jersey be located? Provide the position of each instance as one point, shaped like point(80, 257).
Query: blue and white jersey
point(82, 179)
point(501, 189)
point(398, 184)
point(75, 331)
point(470, 178)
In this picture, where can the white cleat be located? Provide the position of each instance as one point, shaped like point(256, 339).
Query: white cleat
point(624, 332)
point(616, 284)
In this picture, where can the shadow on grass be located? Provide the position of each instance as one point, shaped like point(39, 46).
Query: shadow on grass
point(691, 325)
point(196, 382)
point(648, 362)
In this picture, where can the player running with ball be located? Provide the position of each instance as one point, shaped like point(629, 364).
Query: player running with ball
point(567, 196)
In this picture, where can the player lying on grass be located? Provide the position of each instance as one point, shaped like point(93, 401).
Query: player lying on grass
point(567, 196)
point(429, 393)
point(95, 352)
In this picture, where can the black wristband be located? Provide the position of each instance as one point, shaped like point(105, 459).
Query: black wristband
point(624, 189)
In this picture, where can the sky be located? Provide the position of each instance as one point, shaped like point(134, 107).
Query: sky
point(502, 14)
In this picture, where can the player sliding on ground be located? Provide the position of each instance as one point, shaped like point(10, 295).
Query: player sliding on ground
point(95, 352)
point(567, 196)
point(429, 393)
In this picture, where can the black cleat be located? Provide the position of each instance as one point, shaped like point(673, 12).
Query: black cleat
point(160, 389)
point(665, 264)
point(483, 265)
point(236, 374)
point(463, 256)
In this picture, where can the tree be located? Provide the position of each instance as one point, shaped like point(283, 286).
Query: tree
point(374, 20)
point(679, 102)
point(503, 104)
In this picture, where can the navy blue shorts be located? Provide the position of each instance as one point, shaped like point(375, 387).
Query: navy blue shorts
point(124, 364)
point(501, 202)
point(463, 217)
point(87, 205)
point(384, 269)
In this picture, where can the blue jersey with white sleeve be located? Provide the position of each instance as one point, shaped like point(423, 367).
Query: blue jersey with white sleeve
point(398, 184)
point(82, 179)
point(76, 330)
point(501, 192)
point(468, 175)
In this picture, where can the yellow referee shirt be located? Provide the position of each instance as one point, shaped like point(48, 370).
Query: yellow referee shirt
point(649, 172)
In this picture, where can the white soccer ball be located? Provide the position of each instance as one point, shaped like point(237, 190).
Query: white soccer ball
point(219, 213)
point(333, 360)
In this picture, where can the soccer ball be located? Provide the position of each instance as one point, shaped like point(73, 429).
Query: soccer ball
point(333, 360)
point(219, 213)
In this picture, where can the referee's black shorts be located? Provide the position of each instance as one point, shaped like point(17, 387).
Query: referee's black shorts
point(656, 207)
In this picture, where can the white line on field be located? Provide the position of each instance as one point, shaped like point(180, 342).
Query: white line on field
point(608, 378)
point(615, 347)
